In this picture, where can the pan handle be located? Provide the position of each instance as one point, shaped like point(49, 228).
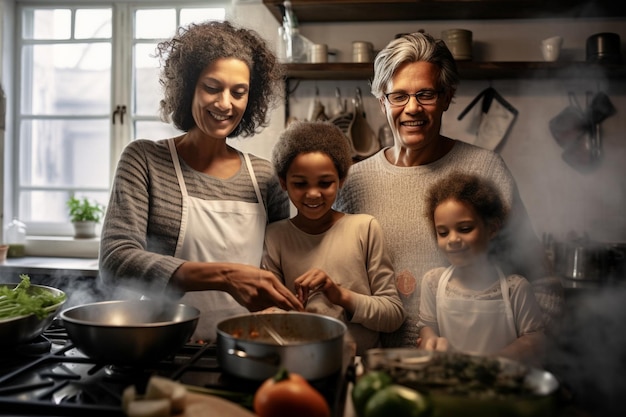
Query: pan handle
point(271, 359)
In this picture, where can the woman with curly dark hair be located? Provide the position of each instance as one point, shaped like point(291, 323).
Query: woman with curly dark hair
point(187, 215)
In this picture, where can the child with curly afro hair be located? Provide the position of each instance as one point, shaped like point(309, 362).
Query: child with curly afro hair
point(336, 263)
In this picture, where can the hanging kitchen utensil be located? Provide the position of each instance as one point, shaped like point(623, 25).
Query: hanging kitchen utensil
point(580, 155)
point(582, 138)
point(593, 129)
point(496, 118)
point(364, 140)
point(341, 105)
point(570, 124)
point(317, 112)
point(342, 119)
point(601, 108)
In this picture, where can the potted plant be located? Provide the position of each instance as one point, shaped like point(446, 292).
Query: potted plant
point(84, 215)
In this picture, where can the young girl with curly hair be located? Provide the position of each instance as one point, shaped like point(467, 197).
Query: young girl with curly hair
point(471, 306)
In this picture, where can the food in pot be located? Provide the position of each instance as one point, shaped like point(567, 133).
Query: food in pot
point(239, 333)
point(289, 394)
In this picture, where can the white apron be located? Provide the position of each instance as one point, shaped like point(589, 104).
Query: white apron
point(218, 231)
point(475, 326)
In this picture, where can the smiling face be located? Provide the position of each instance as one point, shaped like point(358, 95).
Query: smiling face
point(221, 97)
point(312, 183)
point(415, 126)
point(461, 234)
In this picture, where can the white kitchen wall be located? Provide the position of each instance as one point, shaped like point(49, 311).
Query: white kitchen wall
point(559, 198)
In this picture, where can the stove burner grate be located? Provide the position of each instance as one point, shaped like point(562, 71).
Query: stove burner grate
point(53, 378)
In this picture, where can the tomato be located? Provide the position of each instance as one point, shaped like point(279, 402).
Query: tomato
point(398, 401)
point(289, 394)
point(366, 386)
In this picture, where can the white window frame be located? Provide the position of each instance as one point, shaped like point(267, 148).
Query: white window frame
point(122, 43)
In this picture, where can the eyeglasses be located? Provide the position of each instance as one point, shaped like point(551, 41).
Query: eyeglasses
point(424, 97)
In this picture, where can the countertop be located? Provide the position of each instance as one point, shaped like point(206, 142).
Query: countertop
point(85, 267)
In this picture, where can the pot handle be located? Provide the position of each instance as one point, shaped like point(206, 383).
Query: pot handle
point(271, 359)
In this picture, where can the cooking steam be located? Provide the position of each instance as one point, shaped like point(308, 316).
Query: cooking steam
point(588, 351)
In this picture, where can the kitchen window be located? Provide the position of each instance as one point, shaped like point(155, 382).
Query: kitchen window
point(87, 84)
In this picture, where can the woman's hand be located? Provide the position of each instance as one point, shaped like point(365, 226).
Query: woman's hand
point(252, 287)
point(259, 289)
point(317, 280)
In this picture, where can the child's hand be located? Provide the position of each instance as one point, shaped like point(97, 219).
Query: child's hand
point(435, 343)
point(316, 280)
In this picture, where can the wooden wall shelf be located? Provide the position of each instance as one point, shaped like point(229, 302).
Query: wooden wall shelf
point(469, 70)
point(390, 10)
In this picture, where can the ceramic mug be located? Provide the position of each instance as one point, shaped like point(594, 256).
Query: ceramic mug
point(551, 47)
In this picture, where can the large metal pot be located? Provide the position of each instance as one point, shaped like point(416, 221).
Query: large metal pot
point(313, 345)
point(17, 330)
point(130, 332)
point(590, 260)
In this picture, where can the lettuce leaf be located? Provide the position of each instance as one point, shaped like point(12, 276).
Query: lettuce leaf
point(26, 299)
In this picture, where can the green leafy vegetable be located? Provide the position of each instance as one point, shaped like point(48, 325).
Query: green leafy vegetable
point(24, 299)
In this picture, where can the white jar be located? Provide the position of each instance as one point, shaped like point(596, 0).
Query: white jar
point(15, 237)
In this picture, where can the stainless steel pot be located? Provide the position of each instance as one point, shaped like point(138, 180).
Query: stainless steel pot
point(313, 345)
point(130, 332)
point(590, 260)
point(18, 330)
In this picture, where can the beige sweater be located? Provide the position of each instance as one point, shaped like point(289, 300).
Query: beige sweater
point(353, 254)
point(396, 196)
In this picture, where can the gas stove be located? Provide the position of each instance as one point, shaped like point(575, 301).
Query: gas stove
point(50, 377)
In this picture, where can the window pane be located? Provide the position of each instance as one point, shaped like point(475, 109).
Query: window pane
point(65, 153)
point(199, 15)
point(155, 23)
point(49, 206)
point(93, 23)
point(79, 85)
point(155, 130)
point(147, 90)
point(47, 24)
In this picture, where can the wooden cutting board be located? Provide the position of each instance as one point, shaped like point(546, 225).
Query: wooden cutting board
point(200, 405)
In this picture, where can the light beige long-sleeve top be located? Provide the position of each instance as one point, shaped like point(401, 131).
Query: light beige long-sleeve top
point(353, 254)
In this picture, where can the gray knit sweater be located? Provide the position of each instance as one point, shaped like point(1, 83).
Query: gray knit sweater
point(144, 214)
point(396, 197)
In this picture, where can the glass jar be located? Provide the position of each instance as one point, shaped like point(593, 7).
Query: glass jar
point(15, 237)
